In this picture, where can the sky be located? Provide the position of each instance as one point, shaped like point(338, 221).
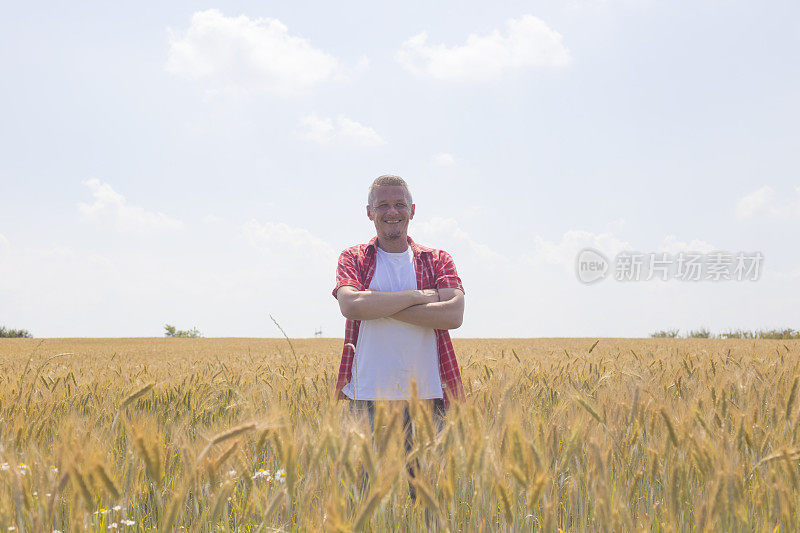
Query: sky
point(203, 165)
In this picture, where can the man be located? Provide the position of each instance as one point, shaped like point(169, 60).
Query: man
point(400, 299)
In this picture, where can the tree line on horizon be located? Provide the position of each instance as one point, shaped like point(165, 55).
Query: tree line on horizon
point(171, 331)
point(703, 333)
point(7, 333)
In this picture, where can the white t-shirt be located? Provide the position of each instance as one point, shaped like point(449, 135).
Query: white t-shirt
point(390, 353)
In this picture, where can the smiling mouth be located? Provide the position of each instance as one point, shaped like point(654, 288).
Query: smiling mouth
point(392, 221)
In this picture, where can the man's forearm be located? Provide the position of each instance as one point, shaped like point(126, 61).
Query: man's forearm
point(436, 315)
point(370, 305)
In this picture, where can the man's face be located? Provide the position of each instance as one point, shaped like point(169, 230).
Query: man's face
point(391, 211)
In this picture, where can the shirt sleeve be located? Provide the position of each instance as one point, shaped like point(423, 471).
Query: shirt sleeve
point(446, 274)
point(347, 272)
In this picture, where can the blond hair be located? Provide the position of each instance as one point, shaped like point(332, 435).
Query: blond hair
point(385, 181)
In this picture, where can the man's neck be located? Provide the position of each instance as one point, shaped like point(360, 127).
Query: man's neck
point(393, 246)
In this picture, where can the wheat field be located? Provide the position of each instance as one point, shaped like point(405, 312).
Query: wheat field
point(243, 434)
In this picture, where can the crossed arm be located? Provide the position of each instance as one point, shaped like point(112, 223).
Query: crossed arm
point(431, 308)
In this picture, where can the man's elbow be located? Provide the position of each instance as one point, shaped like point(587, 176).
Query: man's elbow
point(346, 307)
point(352, 315)
point(455, 322)
point(458, 315)
point(350, 309)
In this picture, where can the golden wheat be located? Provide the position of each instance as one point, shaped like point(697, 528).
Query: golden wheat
point(577, 434)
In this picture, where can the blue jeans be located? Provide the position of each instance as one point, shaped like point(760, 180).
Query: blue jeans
point(437, 406)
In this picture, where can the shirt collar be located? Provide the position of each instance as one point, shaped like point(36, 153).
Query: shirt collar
point(416, 248)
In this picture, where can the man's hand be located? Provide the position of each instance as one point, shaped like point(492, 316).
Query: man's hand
point(369, 304)
point(431, 293)
point(447, 313)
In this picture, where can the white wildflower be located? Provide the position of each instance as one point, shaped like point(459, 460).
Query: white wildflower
point(280, 475)
point(4, 466)
point(232, 472)
point(117, 507)
point(127, 522)
point(113, 525)
point(100, 511)
point(262, 473)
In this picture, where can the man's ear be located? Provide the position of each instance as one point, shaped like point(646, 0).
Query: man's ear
point(413, 207)
point(369, 214)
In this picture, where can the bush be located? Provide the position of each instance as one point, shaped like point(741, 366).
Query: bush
point(786, 333)
point(780, 334)
point(735, 334)
point(739, 334)
point(667, 333)
point(14, 333)
point(701, 333)
point(170, 331)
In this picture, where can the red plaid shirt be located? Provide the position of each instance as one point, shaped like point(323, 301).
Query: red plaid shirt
point(435, 270)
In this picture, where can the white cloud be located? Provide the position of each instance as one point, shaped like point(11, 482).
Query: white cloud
point(240, 53)
point(527, 42)
point(110, 207)
point(672, 245)
point(443, 159)
point(288, 272)
point(324, 131)
point(221, 294)
point(446, 230)
point(573, 241)
point(212, 219)
point(762, 202)
point(359, 134)
point(280, 239)
point(361, 64)
point(318, 129)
